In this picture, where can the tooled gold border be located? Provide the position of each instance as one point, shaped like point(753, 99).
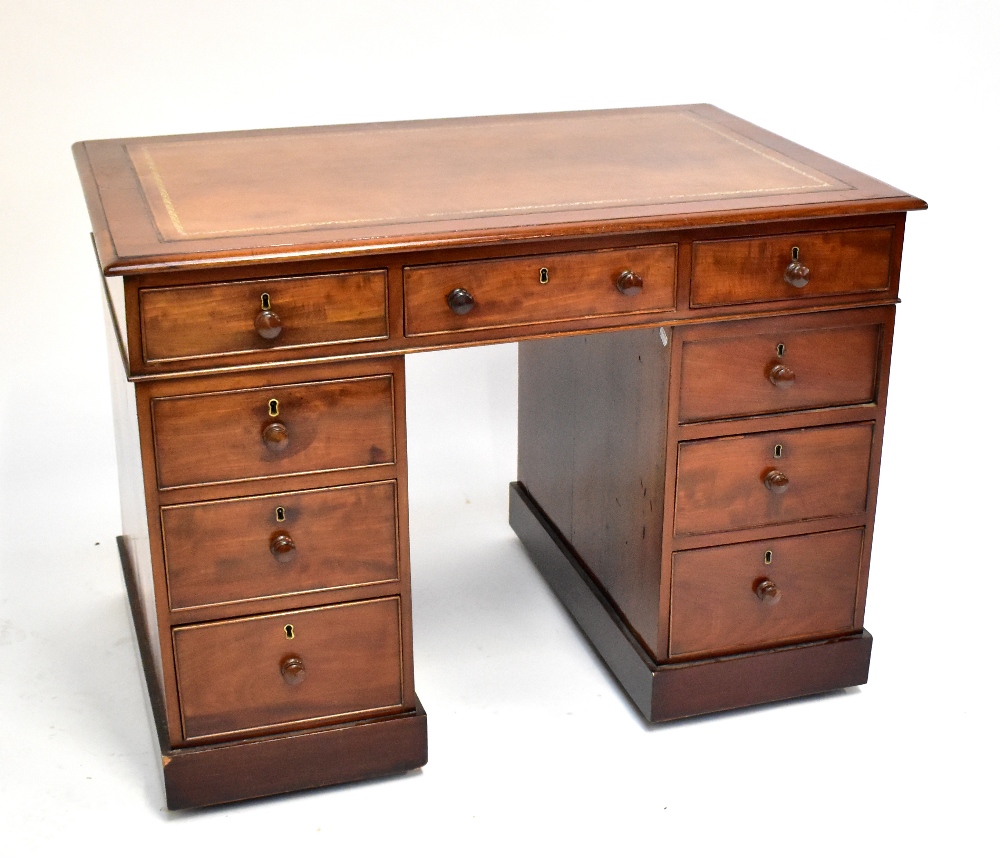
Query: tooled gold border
point(178, 226)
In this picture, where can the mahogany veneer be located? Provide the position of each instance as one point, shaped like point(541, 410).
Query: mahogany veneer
point(757, 270)
point(555, 287)
point(698, 464)
point(260, 672)
point(251, 548)
point(753, 594)
point(228, 436)
point(261, 315)
point(752, 480)
point(798, 364)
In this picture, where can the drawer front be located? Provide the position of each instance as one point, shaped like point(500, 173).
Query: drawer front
point(273, 431)
point(786, 370)
point(749, 270)
point(262, 315)
point(536, 289)
point(283, 544)
point(759, 594)
point(754, 480)
point(289, 668)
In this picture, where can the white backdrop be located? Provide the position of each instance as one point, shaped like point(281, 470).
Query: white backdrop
point(532, 746)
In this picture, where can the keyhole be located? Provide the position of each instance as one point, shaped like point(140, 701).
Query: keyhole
point(272, 408)
point(768, 556)
point(780, 349)
point(290, 632)
point(795, 254)
point(279, 514)
point(777, 450)
point(265, 301)
point(543, 276)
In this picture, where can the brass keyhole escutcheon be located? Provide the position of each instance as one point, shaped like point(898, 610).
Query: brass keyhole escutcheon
point(796, 274)
point(543, 275)
point(268, 322)
point(778, 450)
point(768, 556)
point(279, 514)
point(780, 349)
point(272, 408)
point(290, 632)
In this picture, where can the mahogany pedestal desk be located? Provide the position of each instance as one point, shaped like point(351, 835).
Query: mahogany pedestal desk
point(697, 465)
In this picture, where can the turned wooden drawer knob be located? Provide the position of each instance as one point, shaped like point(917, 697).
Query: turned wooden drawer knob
point(293, 671)
point(629, 283)
point(767, 591)
point(782, 376)
point(283, 548)
point(796, 274)
point(275, 435)
point(268, 324)
point(460, 301)
point(776, 481)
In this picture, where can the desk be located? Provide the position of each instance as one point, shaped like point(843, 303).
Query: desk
point(697, 466)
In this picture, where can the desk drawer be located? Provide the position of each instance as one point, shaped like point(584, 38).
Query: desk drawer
point(761, 594)
point(261, 315)
point(789, 369)
point(535, 289)
point(735, 483)
point(750, 270)
point(283, 544)
point(289, 668)
point(273, 431)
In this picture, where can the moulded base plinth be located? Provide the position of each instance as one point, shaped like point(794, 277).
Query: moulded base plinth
point(275, 764)
point(671, 691)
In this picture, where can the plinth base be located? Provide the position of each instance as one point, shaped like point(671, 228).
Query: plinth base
point(275, 764)
point(671, 691)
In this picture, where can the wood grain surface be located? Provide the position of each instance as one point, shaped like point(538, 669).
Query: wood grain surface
point(536, 289)
point(220, 552)
point(217, 320)
point(721, 482)
point(822, 366)
point(715, 609)
point(753, 270)
point(592, 440)
point(229, 674)
point(218, 437)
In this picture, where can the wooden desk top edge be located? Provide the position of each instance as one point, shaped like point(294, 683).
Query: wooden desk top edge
point(133, 237)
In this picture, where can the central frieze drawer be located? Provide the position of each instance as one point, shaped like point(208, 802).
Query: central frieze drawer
point(726, 599)
point(734, 483)
point(273, 431)
point(289, 668)
point(791, 267)
point(536, 289)
point(262, 315)
point(791, 368)
point(228, 551)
